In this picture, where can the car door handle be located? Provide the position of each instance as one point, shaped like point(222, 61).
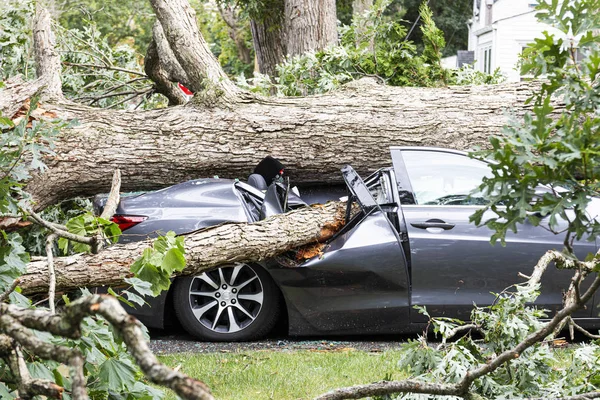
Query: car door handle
point(432, 223)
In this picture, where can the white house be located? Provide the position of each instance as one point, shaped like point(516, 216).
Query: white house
point(499, 31)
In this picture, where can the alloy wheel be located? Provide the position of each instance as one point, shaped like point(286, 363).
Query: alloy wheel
point(228, 299)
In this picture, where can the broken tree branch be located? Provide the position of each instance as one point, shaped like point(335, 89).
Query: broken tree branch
point(112, 202)
point(163, 68)
point(206, 76)
point(17, 321)
point(11, 288)
point(109, 67)
point(51, 274)
point(583, 330)
point(28, 387)
point(58, 231)
point(205, 249)
point(462, 387)
point(27, 339)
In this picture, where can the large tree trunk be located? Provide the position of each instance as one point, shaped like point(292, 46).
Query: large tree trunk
point(205, 249)
point(309, 25)
point(314, 137)
point(291, 28)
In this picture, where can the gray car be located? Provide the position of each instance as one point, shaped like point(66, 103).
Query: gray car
point(410, 244)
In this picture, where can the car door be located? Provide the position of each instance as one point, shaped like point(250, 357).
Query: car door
point(359, 282)
point(453, 264)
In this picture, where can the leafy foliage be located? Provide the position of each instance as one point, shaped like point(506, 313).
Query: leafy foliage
point(157, 264)
point(546, 169)
point(545, 172)
point(451, 16)
point(217, 34)
point(467, 75)
point(15, 39)
point(93, 65)
point(99, 74)
point(120, 22)
point(373, 46)
point(34, 237)
point(88, 224)
point(24, 141)
point(503, 325)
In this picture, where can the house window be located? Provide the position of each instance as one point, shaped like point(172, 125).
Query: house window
point(486, 57)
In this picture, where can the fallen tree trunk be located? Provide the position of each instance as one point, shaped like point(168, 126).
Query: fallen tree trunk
point(314, 137)
point(205, 249)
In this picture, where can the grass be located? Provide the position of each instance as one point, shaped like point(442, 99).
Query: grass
point(284, 375)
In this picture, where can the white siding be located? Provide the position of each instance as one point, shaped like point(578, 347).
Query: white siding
point(513, 26)
point(512, 35)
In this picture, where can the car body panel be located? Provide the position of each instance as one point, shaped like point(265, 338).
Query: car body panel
point(183, 208)
point(456, 267)
point(358, 285)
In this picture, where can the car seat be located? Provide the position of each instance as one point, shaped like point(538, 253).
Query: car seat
point(257, 181)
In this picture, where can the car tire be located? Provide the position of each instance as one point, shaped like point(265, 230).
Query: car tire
point(233, 303)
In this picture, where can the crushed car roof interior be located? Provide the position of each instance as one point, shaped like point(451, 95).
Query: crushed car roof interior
point(409, 242)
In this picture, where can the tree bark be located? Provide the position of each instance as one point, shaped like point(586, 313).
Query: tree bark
point(314, 136)
point(163, 68)
point(269, 46)
point(47, 60)
point(293, 28)
point(309, 25)
point(205, 249)
point(207, 78)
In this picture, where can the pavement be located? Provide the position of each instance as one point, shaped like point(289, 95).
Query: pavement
point(168, 343)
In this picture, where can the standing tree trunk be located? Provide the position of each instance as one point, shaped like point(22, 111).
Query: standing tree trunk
point(290, 28)
point(267, 37)
point(309, 25)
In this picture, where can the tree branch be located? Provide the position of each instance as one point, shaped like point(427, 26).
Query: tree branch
point(207, 78)
point(112, 202)
point(11, 288)
point(109, 67)
point(60, 232)
point(28, 387)
point(16, 321)
point(462, 388)
point(160, 64)
point(51, 275)
point(72, 357)
point(206, 249)
point(583, 330)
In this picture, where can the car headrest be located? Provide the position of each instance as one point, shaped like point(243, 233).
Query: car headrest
point(257, 181)
point(269, 168)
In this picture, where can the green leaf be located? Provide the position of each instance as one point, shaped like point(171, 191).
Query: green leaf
point(173, 261)
point(119, 297)
point(140, 286)
point(117, 375)
point(6, 123)
point(4, 392)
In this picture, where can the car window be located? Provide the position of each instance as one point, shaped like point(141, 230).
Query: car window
point(439, 178)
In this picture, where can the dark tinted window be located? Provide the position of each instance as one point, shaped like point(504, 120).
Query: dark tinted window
point(439, 178)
